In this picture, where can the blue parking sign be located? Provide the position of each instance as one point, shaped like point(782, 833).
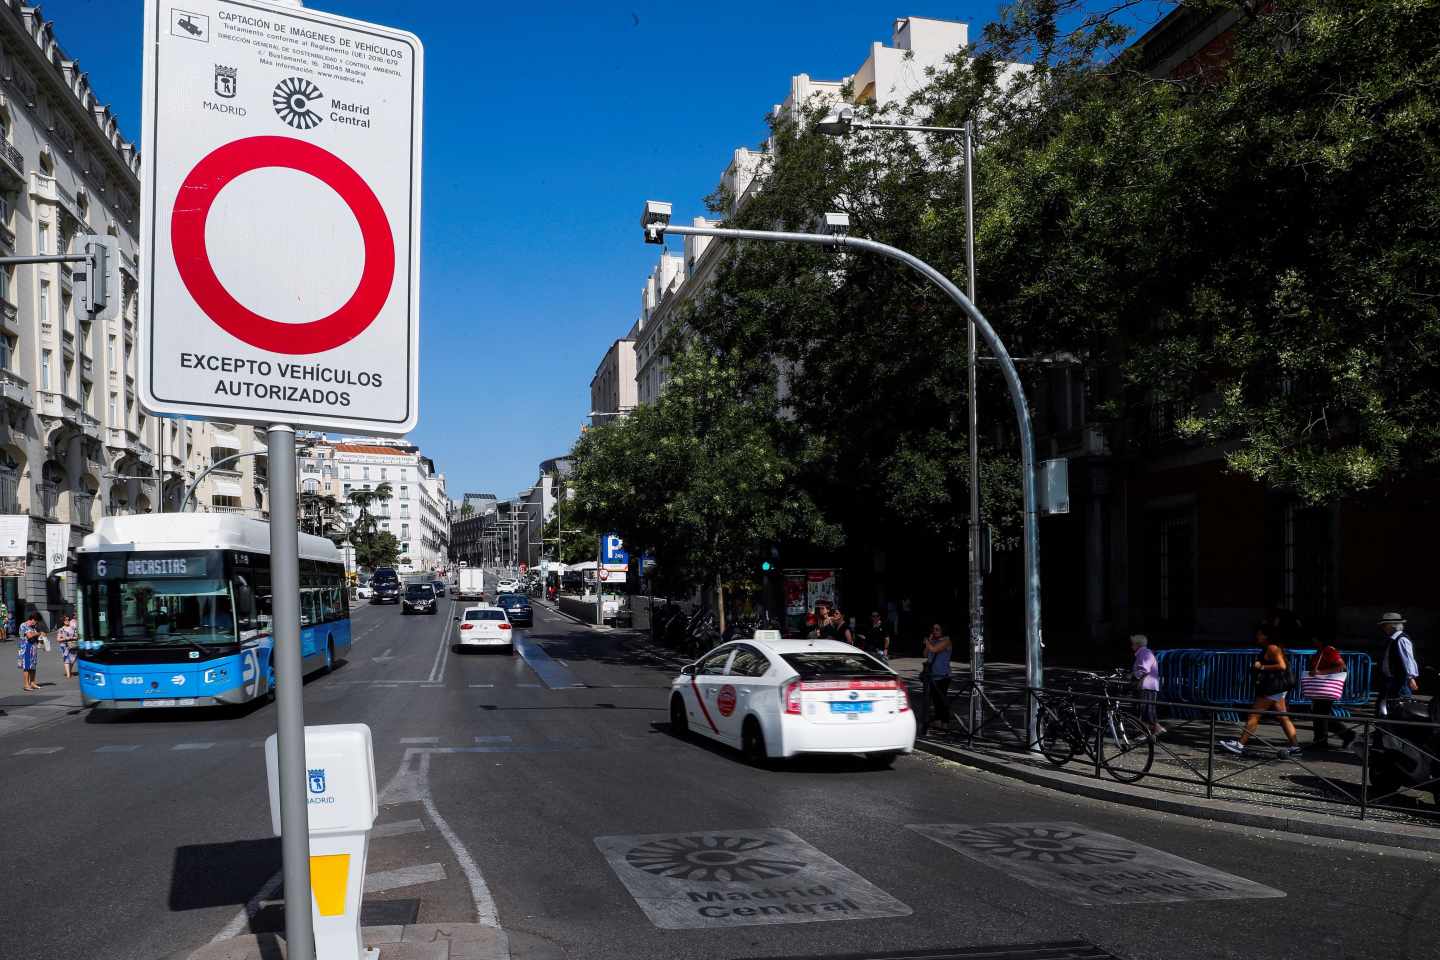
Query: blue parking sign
point(613, 552)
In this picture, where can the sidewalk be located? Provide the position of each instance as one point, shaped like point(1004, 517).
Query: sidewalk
point(1304, 794)
point(58, 697)
point(420, 941)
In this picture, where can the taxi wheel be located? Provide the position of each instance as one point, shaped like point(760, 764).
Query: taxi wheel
point(752, 743)
point(679, 722)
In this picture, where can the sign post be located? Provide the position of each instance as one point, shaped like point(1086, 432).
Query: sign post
point(280, 222)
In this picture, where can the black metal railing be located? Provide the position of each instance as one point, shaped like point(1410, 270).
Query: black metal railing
point(1397, 760)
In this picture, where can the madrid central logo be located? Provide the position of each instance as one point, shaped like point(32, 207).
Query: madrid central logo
point(292, 99)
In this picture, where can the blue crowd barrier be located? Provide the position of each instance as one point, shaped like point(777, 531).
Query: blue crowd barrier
point(1221, 677)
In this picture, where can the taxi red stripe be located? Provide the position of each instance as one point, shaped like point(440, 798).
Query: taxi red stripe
point(701, 700)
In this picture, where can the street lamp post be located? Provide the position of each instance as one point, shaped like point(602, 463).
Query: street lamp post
point(842, 123)
point(656, 223)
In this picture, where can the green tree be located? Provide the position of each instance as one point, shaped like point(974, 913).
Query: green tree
point(379, 550)
point(698, 475)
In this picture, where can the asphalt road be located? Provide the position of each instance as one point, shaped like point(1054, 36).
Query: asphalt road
point(138, 836)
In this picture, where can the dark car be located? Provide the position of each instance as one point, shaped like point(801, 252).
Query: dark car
point(419, 598)
point(439, 586)
point(385, 586)
point(517, 607)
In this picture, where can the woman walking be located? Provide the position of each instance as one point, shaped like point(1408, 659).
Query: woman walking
point(27, 658)
point(936, 674)
point(68, 637)
point(1324, 684)
point(1146, 671)
point(1272, 686)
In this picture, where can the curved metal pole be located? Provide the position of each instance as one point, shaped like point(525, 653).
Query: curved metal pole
point(1034, 647)
point(216, 466)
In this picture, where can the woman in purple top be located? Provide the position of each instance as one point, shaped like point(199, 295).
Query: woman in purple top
point(1146, 671)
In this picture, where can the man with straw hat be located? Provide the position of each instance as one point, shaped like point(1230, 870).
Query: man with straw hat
point(1399, 672)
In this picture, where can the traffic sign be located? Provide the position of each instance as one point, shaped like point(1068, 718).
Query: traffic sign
point(280, 217)
point(613, 555)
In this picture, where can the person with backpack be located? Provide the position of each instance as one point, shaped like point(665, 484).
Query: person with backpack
point(1273, 681)
point(1324, 684)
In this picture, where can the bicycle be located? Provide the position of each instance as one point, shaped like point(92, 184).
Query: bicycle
point(1063, 728)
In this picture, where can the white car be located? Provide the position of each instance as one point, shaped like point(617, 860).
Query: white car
point(508, 585)
point(486, 626)
point(364, 592)
point(777, 698)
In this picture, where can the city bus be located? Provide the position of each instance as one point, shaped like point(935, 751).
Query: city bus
point(174, 610)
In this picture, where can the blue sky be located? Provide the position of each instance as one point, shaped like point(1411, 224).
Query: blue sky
point(546, 128)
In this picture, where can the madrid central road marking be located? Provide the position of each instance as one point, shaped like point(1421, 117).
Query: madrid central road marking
point(1088, 867)
point(733, 878)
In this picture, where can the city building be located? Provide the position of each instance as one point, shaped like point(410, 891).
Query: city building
point(74, 444)
point(417, 511)
point(612, 389)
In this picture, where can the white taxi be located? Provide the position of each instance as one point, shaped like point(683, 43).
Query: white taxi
point(485, 626)
point(772, 697)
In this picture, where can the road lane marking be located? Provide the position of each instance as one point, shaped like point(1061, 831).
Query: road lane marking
point(409, 740)
point(487, 685)
point(193, 746)
point(404, 877)
point(485, 912)
point(118, 748)
point(397, 829)
point(494, 739)
point(32, 751)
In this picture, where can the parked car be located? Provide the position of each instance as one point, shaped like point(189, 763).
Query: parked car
point(419, 598)
point(364, 591)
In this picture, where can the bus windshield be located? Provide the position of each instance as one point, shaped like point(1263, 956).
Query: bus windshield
point(160, 612)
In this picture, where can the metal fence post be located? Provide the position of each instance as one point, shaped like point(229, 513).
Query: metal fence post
point(1365, 773)
point(1210, 762)
point(1099, 735)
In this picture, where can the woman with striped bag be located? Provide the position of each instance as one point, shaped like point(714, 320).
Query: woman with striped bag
point(1324, 684)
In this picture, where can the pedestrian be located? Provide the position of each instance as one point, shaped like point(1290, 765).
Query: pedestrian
point(936, 673)
point(1324, 683)
point(69, 639)
point(840, 628)
point(820, 621)
point(1272, 686)
point(27, 658)
point(876, 640)
point(1146, 670)
point(4, 620)
point(1399, 671)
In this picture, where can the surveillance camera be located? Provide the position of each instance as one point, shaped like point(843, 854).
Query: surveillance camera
point(839, 123)
point(655, 219)
point(833, 224)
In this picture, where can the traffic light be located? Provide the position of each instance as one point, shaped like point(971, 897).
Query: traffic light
point(765, 565)
point(100, 282)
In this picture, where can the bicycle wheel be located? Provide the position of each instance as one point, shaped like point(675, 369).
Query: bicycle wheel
point(1053, 735)
point(1128, 748)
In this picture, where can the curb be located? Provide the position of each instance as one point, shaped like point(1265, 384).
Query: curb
point(1402, 835)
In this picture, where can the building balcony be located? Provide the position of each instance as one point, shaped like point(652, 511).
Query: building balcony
point(58, 405)
point(67, 342)
point(91, 426)
point(116, 437)
point(9, 318)
point(12, 166)
point(87, 366)
point(47, 189)
point(67, 278)
point(47, 501)
point(15, 389)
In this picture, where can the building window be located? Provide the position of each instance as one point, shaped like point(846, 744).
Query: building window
point(384, 472)
point(44, 369)
point(4, 353)
point(5, 283)
point(347, 472)
point(44, 301)
point(85, 391)
point(365, 473)
point(404, 493)
point(43, 245)
point(110, 352)
point(1171, 566)
point(114, 409)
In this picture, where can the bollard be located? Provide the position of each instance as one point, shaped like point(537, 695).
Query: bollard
point(342, 807)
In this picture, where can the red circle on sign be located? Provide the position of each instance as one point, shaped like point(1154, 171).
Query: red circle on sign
point(725, 700)
point(187, 238)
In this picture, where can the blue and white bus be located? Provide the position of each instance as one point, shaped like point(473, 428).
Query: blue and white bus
point(174, 610)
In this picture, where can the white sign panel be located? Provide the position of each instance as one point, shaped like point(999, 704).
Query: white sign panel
point(280, 217)
point(14, 535)
point(57, 546)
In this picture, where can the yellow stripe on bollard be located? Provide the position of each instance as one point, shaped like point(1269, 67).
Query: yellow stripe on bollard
point(328, 876)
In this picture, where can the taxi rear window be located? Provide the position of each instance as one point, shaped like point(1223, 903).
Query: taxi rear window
point(834, 664)
point(484, 614)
